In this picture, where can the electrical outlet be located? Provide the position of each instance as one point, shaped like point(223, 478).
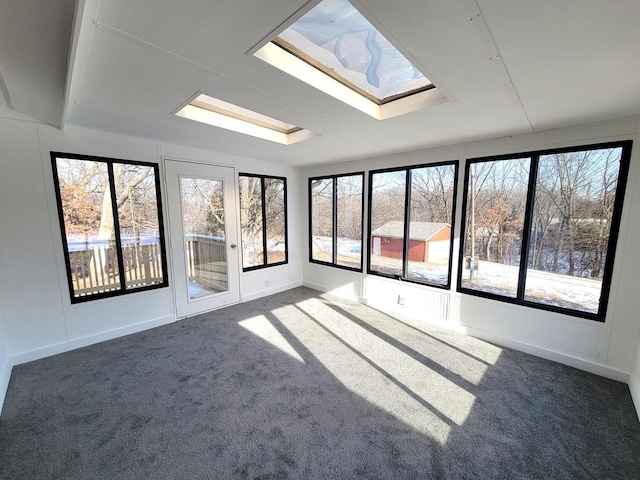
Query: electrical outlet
point(266, 283)
point(400, 300)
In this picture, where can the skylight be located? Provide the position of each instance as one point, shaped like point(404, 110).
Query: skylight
point(218, 113)
point(343, 43)
point(334, 43)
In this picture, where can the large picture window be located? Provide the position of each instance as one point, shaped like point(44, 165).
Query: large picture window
point(111, 222)
point(335, 213)
point(263, 217)
point(411, 213)
point(540, 228)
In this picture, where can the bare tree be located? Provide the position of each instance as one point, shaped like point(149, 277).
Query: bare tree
point(432, 194)
point(497, 203)
point(125, 182)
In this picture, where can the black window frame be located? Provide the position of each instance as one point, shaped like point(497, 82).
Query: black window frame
point(407, 221)
point(116, 223)
point(264, 222)
point(334, 262)
point(625, 158)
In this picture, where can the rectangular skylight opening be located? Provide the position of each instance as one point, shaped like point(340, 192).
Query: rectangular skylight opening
point(218, 113)
point(345, 51)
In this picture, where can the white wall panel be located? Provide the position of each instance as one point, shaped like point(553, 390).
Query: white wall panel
point(5, 365)
point(333, 280)
point(30, 293)
point(634, 383)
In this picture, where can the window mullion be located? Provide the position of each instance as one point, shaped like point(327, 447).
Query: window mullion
point(407, 223)
point(263, 196)
point(526, 228)
point(116, 226)
point(334, 227)
point(285, 219)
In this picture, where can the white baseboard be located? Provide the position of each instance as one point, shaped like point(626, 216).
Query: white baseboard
point(5, 376)
point(39, 353)
point(634, 388)
point(270, 291)
point(579, 363)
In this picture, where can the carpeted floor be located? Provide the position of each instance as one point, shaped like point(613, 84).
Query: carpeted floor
point(301, 385)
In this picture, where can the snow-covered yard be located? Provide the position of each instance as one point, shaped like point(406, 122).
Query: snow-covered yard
point(349, 251)
point(547, 288)
point(542, 287)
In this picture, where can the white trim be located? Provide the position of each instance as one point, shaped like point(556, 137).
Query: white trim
point(270, 291)
point(5, 376)
point(57, 348)
point(280, 58)
point(579, 363)
point(634, 388)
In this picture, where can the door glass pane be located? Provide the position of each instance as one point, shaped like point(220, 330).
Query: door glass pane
point(322, 220)
point(137, 198)
point(387, 221)
point(496, 201)
point(204, 235)
point(430, 225)
point(572, 218)
point(89, 227)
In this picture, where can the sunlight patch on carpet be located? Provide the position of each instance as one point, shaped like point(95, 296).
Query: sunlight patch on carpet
point(264, 329)
point(441, 393)
point(462, 358)
point(372, 382)
point(468, 345)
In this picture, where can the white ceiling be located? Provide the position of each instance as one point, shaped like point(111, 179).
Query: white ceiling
point(507, 67)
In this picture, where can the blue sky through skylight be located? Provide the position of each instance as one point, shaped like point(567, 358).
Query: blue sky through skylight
point(335, 35)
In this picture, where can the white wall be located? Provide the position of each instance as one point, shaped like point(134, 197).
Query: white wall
point(5, 366)
point(38, 318)
point(634, 383)
point(605, 348)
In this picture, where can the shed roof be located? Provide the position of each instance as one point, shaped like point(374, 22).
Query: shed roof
point(419, 230)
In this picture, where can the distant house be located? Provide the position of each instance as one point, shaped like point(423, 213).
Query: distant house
point(429, 242)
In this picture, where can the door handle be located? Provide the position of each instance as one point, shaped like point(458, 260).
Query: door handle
point(233, 245)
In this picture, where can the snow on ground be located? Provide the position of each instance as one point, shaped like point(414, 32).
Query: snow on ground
point(346, 246)
point(541, 287)
point(547, 288)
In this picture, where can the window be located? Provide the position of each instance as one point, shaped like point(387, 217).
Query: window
point(111, 222)
point(335, 49)
point(263, 217)
point(540, 229)
point(335, 213)
point(410, 222)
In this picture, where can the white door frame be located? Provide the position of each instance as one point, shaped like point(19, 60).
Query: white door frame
point(173, 171)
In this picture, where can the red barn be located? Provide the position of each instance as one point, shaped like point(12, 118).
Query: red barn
point(428, 242)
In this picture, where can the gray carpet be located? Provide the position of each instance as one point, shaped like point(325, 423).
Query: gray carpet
point(301, 385)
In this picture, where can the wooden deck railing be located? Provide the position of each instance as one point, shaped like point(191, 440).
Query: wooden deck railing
point(94, 265)
point(207, 261)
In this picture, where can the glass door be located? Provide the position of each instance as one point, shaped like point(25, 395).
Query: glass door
point(203, 233)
